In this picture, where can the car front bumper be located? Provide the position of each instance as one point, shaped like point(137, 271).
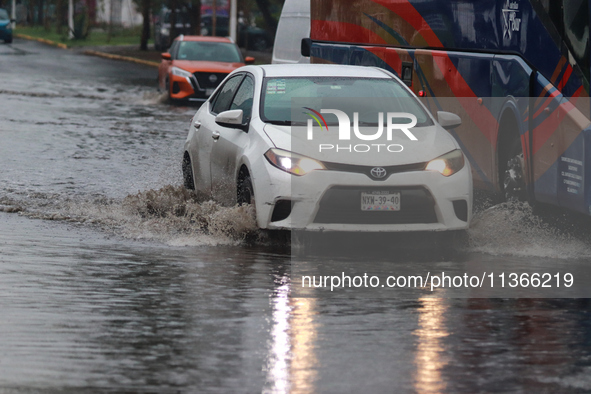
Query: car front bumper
point(331, 201)
point(187, 88)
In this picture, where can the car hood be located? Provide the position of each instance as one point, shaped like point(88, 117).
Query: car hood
point(216, 67)
point(432, 141)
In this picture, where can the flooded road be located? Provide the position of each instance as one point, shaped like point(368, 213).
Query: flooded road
point(114, 278)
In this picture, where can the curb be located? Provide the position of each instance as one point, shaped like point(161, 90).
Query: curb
point(91, 53)
point(43, 40)
point(119, 57)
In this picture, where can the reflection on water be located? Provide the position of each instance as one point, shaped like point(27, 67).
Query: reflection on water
point(430, 354)
point(279, 352)
point(304, 363)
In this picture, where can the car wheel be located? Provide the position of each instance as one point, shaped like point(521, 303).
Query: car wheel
point(8, 40)
point(188, 179)
point(167, 87)
point(514, 187)
point(245, 190)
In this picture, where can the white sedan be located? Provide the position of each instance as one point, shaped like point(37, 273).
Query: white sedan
point(328, 148)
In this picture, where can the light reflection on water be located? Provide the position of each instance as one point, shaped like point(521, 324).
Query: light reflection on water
point(430, 354)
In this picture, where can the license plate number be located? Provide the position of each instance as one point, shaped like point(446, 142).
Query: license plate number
point(380, 201)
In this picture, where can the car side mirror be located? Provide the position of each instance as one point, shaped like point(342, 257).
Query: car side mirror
point(448, 120)
point(12, 20)
point(166, 56)
point(305, 47)
point(249, 60)
point(231, 118)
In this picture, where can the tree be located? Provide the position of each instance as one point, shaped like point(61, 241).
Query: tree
point(146, 8)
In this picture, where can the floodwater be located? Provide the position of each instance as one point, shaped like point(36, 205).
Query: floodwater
point(114, 278)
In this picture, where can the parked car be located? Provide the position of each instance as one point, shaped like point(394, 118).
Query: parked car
point(162, 27)
point(196, 65)
point(243, 147)
point(250, 37)
point(5, 26)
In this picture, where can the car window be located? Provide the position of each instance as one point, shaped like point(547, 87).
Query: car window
point(3, 15)
point(225, 95)
point(209, 51)
point(173, 49)
point(243, 98)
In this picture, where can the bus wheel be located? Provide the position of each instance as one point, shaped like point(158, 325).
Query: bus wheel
point(514, 176)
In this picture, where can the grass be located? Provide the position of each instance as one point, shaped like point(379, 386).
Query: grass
point(95, 37)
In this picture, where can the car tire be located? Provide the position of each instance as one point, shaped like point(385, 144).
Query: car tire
point(514, 188)
point(188, 179)
point(167, 88)
point(8, 40)
point(245, 190)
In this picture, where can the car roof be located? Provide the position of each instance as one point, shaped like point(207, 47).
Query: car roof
point(322, 70)
point(203, 38)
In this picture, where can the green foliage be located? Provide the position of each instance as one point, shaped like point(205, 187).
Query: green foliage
point(94, 37)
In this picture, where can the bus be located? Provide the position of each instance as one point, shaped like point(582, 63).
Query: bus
point(515, 71)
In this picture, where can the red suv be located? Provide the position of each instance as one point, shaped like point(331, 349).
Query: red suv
point(195, 65)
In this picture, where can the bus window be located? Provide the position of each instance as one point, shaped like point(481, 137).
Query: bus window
point(554, 10)
point(576, 29)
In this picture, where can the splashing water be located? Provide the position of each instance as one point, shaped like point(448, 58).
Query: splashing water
point(513, 229)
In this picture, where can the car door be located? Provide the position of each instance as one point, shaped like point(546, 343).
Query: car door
point(207, 131)
point(228, 148)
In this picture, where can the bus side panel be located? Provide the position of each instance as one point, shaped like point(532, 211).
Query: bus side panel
point(446, 78)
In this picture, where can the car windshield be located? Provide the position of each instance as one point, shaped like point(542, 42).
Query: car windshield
point(318, 92)
point(3, 15)
point(209, 51)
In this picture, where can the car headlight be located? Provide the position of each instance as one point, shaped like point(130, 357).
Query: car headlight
point(179, 72)
point(292, 162)
point(447, 164)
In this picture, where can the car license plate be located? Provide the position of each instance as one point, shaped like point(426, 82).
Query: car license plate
point(209, 91)
point(380, 201)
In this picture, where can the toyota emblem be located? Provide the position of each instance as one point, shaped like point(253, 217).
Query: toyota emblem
point(213, 78)
point(378, 172)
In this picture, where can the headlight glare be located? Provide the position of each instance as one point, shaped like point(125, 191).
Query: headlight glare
point(292, 162)
point(447, 164)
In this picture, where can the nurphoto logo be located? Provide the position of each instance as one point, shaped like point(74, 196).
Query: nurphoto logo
point(393, 123)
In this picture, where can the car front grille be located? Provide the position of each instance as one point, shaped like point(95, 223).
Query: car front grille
point(367, 169)
point(342, 205)
point(203, 78)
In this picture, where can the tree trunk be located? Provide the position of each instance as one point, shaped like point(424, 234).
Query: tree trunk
point(59, 15)
point(146, 25)
point(173, 30)
point(195, 15)
point(40, 4)
point(31, 12)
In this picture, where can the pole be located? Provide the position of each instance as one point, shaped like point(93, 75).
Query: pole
point(71, 19)
point(213, 18)
point(13, 14)
point(233, 19)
